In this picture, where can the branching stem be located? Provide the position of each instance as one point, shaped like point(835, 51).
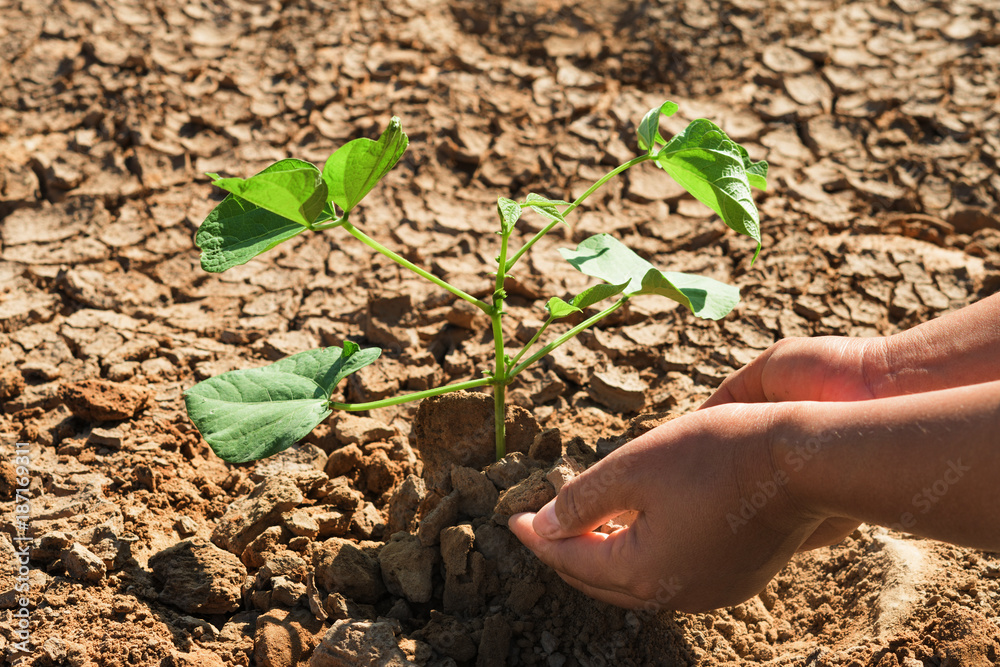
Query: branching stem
point(500, 368)
point(530, 343)
point(579, 200)
point(586, 324)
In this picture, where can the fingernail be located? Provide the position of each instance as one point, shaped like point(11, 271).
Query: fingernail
point(546, 524)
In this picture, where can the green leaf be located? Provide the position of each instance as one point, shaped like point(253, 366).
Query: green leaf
point(649, 127)
point(756, 171)
point(558, 308)
point(602, 256)
point(714, 169)
point(292, 189)
point(595, 293)
point(328, 366)
point(357, 166)
point(757, 175)
point(249, 414)
point(705, 297)
point(547, 208)
point(236, 231)
point(535, 198)
point(509, 212)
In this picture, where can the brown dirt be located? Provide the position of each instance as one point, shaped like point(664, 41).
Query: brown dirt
point(880, 122)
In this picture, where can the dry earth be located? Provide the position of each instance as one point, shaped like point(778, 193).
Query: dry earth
point(879, 118)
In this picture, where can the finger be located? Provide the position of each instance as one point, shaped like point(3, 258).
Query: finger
point(556, 553)
point(613, 580)
point(743, 386)
point(610, 487)
point(830, 532)
point(605, 562)
point(611, 597)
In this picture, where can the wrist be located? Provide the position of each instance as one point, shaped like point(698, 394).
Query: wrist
point(925, 463)
point(796, 444)
point(877, 360)
point(957, 349)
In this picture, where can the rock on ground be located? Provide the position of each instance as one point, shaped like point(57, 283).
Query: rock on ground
point(82, 564)
point(408, 567)
point(247, 518)
point(528, 495)
point(99, 400)
point(199, 578)
point(344, 566)
point(354, 643)
point(285, 638)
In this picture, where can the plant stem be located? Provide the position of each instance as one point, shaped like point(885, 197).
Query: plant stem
point(320, 226)
point(499, 417)
point(579, 200)
point(604, 179)
point(415, 396)
point(402, 261)
point(534, 339)
point(500, 369)
point(586, 324)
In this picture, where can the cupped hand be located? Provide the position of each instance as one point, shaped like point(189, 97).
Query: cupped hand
point(827, 368)
point(715, 519)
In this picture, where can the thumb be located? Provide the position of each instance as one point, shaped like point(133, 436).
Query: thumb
point(744, 386)
point(587, 501)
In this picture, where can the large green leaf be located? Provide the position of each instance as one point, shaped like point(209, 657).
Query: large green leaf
point(249, 414)
point(354, 169)
point(602, 256)
point(718, 172)
point(236, 231)
point(291, 188)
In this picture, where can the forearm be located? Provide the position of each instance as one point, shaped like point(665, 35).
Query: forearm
point(956, 349)
point(926, 464)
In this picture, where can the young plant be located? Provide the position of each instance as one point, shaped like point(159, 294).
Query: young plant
point(246, 415)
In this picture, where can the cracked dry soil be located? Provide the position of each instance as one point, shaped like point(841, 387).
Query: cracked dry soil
point(880, 121)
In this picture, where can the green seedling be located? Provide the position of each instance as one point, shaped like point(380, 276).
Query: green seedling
point(246, 415)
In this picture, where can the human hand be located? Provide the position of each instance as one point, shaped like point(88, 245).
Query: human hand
point(827, 368)
point(689, 548)
point(725, 495)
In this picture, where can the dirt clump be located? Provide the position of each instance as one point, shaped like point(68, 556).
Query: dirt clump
point(199, 578)
point(457, 430)
point(11, 383)
point(96, 400)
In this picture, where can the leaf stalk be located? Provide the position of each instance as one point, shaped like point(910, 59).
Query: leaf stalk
point(500, 369)
point(586, 324)
point(402, 261)
point(415, 396)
